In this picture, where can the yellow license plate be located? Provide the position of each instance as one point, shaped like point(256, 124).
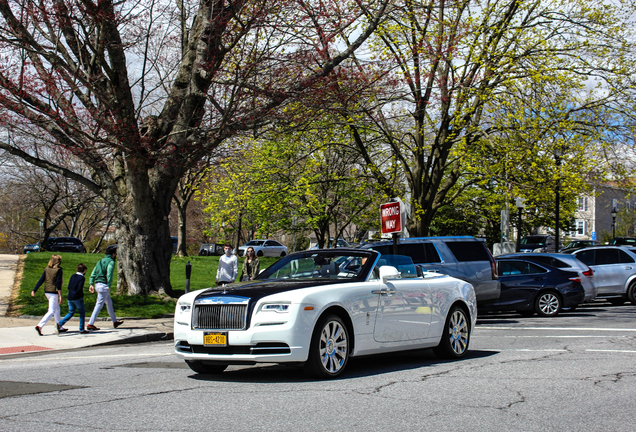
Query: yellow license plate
point(215, 339)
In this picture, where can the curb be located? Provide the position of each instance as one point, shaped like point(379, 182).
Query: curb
point(150, 337)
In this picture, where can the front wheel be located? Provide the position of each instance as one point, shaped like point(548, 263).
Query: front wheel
point(206, 369)
point(329, 349)
point(456, 335)
point(282, 254)
point(548, 304)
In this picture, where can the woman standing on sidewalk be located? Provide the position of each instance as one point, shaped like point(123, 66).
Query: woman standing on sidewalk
point(52, 280)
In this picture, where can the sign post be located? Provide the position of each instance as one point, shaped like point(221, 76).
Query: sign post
point(393, 218)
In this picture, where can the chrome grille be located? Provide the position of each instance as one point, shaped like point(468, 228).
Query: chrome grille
point(220, 313)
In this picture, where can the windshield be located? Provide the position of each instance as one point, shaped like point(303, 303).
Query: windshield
point(535, 240)
point(255, 243)
point(322, 265)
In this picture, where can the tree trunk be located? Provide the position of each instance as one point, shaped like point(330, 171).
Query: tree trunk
point(143, 231)
point(182, 234)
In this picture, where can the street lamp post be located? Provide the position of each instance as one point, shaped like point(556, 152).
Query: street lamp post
point(613, 213)
point(520, 203)
point(558, 153)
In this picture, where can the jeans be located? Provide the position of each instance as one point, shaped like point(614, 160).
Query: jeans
point(54, 309)
point(75, 305)
point(103, 296)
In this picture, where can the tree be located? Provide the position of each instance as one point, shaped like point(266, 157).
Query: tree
point(140, 98)
point(305, 180)
point(452, 65)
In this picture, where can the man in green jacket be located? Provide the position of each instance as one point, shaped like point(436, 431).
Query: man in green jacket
point(100, 281)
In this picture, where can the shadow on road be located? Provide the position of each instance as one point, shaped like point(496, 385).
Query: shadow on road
point(357, 368)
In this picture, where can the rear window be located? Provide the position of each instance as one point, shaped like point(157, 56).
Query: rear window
point(554, 262)
point(420, 253)
point(469, 251)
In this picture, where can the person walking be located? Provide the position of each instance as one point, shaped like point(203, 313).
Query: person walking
point(52, 280)
point(76, 298)
point(100, 281)
point(251, 265)
point(228, 267)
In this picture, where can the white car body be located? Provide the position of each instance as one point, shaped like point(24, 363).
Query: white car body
point(264, 247)
point(382, 310)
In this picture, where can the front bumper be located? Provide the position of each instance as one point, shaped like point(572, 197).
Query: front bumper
point(280, 343)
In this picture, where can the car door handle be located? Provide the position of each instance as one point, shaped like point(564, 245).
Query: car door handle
point(628, 267)
point(387, 291)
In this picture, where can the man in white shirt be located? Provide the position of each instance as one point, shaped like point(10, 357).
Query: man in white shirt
point(228, 267)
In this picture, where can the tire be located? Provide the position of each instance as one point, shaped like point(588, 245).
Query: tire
point(329, 348)
point(617, 301)
point(206, 369)
point(456, 335)
point(282, 254)
point(259, 253)
point(548, 304)
point(631, 293)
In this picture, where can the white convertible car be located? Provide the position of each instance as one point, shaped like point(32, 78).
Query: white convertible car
point(320, 307)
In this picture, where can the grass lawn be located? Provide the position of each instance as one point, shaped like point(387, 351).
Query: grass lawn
point(143, 306)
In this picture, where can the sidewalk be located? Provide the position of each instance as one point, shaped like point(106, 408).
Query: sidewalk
point(18, 335)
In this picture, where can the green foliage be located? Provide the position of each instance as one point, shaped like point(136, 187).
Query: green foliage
point(142, 306)
point(293, 182)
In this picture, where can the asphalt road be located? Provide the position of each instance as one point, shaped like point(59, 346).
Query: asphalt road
point(575, 372)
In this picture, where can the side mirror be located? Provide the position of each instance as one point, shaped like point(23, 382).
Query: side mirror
point(387, 273)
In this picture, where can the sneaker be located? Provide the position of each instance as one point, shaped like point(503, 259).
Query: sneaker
point(57, 329)
point(92, 327)
point(117, 323)
point(84, 332)
point(39, 330)
point(62, 329)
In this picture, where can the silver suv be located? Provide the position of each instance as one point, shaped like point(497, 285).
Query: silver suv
point(463, 257)
point(614, 271)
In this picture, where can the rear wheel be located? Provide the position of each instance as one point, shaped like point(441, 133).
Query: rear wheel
point(631, 293)
point(456, 335)
point(329, 349)
point(203, 368)
point(548, 304)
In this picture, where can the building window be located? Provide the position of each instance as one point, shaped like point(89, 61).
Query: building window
point(579, 228)
point(582, 203)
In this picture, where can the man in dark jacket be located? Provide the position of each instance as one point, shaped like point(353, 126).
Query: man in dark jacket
point(100, 281)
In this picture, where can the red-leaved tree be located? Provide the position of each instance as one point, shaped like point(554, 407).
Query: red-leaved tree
point(141, 96)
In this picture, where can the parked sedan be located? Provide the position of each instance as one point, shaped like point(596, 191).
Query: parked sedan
point(528, 287)
point(614, 271)
point(579, 244)
point(264, 248)
point(564, 262)
point(320, 308)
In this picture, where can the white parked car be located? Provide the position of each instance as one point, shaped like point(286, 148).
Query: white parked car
point(322, 307)
point(270, 248)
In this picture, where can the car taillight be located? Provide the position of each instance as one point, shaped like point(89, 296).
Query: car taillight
point(589, 272)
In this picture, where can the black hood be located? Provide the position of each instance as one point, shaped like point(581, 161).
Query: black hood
point(257, 289)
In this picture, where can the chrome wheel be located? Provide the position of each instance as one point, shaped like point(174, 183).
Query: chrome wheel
point(329, 349)
point(456, 335)
point(548, 304)
point(333, 347)
point(458, 332)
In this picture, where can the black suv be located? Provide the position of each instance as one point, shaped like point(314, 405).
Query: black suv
point(65, 244)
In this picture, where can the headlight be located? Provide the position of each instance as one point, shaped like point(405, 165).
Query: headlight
point(282, 307)
point(183, 307)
